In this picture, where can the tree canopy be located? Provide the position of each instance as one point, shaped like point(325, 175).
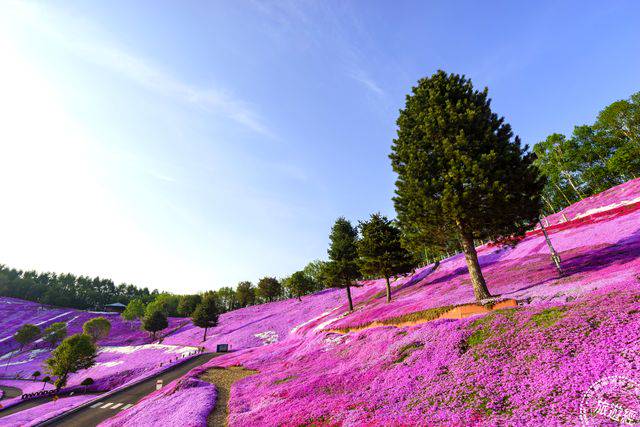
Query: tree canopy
point(73, 354)
point(380, 250)
point(154, 322)
point(97, 328)
point(300, 284)
point(269, 289)
point(594, 158)
point(206, 313)
point(246, 294)
point(187, 304)
point(342, 268)
point(67, 290)
point(27, 334)
point(461, 174)
point(134, 310)
point(55, 333)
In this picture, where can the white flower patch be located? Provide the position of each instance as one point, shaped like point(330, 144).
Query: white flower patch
point(326, 323)
point(30, 356)
point(608, 207)
point(110, 364)
point(128, 349)
point(267, 337)
point(295, 328)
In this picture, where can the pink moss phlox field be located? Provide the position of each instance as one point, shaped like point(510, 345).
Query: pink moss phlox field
point(33, 416)
point(522, 366)
point(186, 402)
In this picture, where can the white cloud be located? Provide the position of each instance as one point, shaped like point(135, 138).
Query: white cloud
point(361, 77)
point(96, 48)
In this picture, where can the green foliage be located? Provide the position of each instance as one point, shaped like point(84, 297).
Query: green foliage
point(187, 304)
point(227, 298)
point(245, 294)
point(269, 289)
point(97, 328)
point(154, 322)
point(461, 174)
point(55, 333)
point(206, 313)
point(73, 354)
point(35, 375)
point(380, 250)
point(316, 271)
point(594, 158)
point(300, 284)
point(406, 351)
point(342, 269)
point(548, 317)
point(67, 290)
point(27, 334)
point(165, 302)
point(134, 310)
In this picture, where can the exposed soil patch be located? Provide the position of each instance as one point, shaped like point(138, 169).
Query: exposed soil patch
point(223, 378)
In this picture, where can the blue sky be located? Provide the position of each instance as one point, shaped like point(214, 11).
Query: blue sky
point(190, 145)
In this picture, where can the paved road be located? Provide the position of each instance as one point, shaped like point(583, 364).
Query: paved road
point(110, 406)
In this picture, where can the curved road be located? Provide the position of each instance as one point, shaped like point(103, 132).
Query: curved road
point(110, 406)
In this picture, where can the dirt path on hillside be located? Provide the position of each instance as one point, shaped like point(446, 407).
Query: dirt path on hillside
point(223, 379)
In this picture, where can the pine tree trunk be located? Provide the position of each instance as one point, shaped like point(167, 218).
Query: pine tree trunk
point(388, 289)
point(471, 256)
point(349, 298)
point(204, 338)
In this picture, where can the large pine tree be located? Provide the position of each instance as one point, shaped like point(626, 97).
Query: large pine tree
point(461, 174)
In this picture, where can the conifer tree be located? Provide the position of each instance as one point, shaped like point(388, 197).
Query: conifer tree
point(380, 250)
point(461, 174)
point(206, 314)
point(342, 269)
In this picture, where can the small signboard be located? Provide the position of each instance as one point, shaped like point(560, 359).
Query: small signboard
point(222, 348)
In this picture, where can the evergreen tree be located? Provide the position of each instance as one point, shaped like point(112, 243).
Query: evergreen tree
point(55, 333)
point(342, 269)
point(461, 175)
point(27, 334)
point(73, 354)
point(206, 314)
point(380, 250)
point(97, 328)
point(269, 289)
point(154, 322)
point(246, 294)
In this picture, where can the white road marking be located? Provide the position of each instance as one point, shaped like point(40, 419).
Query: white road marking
point(95, 405)
point(117, 405)
point(127, 406)
point(107, 405)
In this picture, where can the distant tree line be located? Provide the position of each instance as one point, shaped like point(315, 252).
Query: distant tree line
point(593, 158)
point(68, 290)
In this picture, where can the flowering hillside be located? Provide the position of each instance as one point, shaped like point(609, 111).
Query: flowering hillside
point(319, 365)
point(125, 355)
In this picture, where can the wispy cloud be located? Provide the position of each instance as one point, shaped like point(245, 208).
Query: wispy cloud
point(97, 49)
point(361, 77)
